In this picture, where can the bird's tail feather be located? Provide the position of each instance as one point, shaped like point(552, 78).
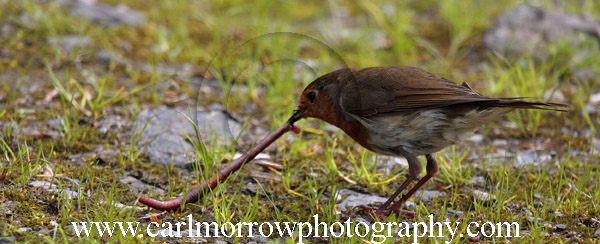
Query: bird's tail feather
point(516, 102)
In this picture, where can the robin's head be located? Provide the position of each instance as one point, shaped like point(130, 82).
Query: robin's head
point(317, 98)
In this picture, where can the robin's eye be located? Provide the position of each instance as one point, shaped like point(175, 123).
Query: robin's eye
point(311, 96)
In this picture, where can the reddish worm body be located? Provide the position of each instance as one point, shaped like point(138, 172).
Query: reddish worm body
point(235, 165)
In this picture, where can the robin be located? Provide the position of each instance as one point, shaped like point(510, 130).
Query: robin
point(403, 111)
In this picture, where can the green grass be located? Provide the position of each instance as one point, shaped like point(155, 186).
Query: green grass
point(273, 51)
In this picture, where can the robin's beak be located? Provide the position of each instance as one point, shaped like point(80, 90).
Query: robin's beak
point(297, 115)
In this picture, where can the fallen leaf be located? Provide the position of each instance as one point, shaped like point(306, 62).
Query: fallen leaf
point(155, 219)
point(39, 136)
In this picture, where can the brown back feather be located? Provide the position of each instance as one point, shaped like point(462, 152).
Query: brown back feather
point(383, 90)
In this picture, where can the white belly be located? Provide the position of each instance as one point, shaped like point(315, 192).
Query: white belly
point(424, 132)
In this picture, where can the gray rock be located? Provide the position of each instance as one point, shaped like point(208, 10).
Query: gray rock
point(597, 233)
point(477, 180)
point(455, 212)
point(115, 123)
point(68, 43)
point(137, 186)
point(499, 142)
point(559, 214)
point(7, 207)
point(526, 211)
point(428, 195)
point(410, 205)
point(537, 196)
point(387, 164)
point(527, 28)
point(531, 157)
point(107, 15)
point(352, 199)
point(534, 220)
point(560, 227)
point(7, 239)
point(53, 188)
point(24, 229)
point(482, 196)
point(165, 134)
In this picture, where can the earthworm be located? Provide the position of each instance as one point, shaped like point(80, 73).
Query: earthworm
point(235, 165)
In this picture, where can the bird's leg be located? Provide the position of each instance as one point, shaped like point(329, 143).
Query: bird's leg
point(414, 169)
point(432, 168)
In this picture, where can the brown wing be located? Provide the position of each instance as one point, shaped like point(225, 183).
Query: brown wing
point(384, 90)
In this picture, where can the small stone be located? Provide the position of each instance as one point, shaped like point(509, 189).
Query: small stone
point(352, 199)
point(499, 142)
point(138, 186)
point(107, 15)
point(526, 212)
point(71, 42)
point(455, 212)
point(534, 220)
point(24, 229)
point(6, 208)
point(559, 214)
point(167, 128)
point(530, 157)
point(537, 196)
point(595, 98)
point(409, 205)
point(428, 195)
point(538, 204)
point(477, 180)
point(560, 227)
point(597, 233)
point(7, 239)
point(483, 196)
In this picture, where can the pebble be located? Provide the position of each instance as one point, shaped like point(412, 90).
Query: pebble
point(167, 128)
point(70, 42)
point(527, 28)
point(354, 199)
point(455, 212)
point(530, 157)
point(559, 214)
point(24, 229)
point(483, 196)
point(7, 239)
point(477, 180)
point(597, 233)
point(428, 195)
point(538, 204)
point(409, 205)
point(560, 227)
point(534, 220)
point(537, 196)
point(107, 15)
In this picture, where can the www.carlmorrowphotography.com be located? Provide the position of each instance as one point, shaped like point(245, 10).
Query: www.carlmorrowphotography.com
point(406, 115)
